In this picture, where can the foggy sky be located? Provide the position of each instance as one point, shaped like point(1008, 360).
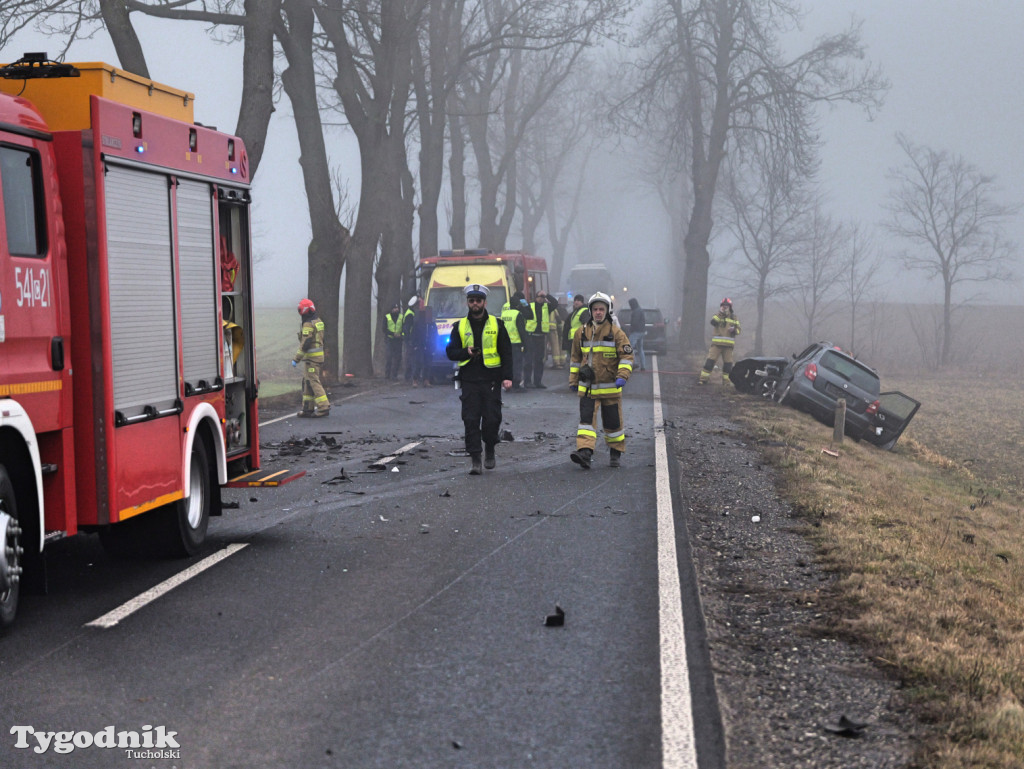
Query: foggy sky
point(954, 68)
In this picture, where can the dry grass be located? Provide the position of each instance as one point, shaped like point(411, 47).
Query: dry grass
point(929, 549)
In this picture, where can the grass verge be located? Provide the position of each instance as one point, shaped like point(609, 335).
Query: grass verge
point(928, 547)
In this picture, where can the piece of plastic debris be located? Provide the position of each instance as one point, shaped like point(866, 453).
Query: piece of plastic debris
point(557, 619)
point(394, 469)
point(385, 520)
point(445, 493)
point(846, 728)
point(755, 518)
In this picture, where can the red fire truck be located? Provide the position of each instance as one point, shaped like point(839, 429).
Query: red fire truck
point(127, 377)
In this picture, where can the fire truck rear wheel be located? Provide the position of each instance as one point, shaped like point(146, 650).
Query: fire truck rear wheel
point(10, 550)
point(191, 516)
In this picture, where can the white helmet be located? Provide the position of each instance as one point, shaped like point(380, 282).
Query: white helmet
point(600, 297)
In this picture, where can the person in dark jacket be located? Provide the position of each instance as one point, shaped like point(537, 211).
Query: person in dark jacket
point(637, 332)
point(481, 346)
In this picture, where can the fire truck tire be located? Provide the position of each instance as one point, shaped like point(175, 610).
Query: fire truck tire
point(189, 518)
point(9, 538)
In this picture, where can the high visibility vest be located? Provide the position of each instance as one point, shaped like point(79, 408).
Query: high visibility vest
point(394, 326)
point(406, 318)
point(575, 322)
point(490, 343)
point(545, 320)
point(509, 316)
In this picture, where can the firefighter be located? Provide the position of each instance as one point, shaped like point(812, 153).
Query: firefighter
point(393, 339)
point(480, 344)
point(515, 325)
point(723, 340)
point(577, 316)
point(601, 363)
point(311, 355)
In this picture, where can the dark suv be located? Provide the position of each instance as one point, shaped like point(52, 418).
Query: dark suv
point(655, 340)
point(817, 378)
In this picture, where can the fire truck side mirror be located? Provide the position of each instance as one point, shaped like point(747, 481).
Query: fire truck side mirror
point(57, 353)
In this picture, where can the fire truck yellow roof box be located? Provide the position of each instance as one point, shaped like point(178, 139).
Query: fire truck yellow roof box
point(60, 99)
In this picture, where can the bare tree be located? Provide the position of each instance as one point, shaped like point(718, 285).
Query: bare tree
point(765, 216)
point(860, 274)
point(817, 270)
point(372, 48)
point(736, 87)
point(946, 208)
point(506, 88)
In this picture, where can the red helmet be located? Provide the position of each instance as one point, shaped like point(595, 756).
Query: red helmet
point(306, 306)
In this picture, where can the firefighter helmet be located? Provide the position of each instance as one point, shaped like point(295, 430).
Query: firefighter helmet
point(306, 306)
point(727, 301)
point(600, 297)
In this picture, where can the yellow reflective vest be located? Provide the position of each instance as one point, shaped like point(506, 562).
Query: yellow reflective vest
point(490, 341)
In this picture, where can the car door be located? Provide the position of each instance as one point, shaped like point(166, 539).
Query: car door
point(895, 410)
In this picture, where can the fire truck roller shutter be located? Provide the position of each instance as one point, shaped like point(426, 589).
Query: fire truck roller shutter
point(140, 290)
point(199, 278)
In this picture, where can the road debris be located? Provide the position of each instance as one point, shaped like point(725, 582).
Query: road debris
point(846, 728)
point(557, 619)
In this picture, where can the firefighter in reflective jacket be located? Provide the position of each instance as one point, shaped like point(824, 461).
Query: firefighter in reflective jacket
point(311, 355)
point(601, 363)
point(723, 340)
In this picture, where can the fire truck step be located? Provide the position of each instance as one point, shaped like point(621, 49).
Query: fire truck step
point(264, 477)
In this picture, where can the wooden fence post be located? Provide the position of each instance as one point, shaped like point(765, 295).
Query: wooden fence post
point(839, 425)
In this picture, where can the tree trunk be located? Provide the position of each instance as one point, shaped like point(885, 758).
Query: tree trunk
point(257, 77)
point(457, 175)
point(330, 241)
point(117, 20)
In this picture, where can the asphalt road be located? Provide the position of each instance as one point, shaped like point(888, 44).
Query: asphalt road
point(391, 617)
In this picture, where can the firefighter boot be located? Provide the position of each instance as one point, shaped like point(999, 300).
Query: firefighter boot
point(582, 457)
point(489, 461)
point(615, 457)
point(305, 413)
point(322, 412)
point(705, 373)
point(477, 469)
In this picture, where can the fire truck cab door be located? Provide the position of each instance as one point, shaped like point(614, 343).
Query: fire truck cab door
point(32, 350)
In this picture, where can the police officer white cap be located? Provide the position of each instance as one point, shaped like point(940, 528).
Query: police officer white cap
point(475, 289)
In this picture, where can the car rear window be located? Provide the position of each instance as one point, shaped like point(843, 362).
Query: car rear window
point(850, 370)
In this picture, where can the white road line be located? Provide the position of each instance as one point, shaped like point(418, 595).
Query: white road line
point(292, 415)
point(384, 460)
point(678, 746)
point(111, 618)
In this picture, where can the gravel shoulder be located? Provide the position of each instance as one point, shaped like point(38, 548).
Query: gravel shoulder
point(785, 677)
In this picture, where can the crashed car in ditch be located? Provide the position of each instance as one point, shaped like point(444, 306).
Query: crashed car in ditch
point(814, 380)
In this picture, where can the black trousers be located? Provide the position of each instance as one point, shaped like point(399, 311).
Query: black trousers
point(393, 361)
point(517, 364)
point(481, 413)
point(533, 364)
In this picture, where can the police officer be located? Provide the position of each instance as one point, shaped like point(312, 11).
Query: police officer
point(393, 339)
point(311, 355)
point(515, 325)
point(726, 328)
point(480, 344)
point(601, 363)
point(538, 326)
